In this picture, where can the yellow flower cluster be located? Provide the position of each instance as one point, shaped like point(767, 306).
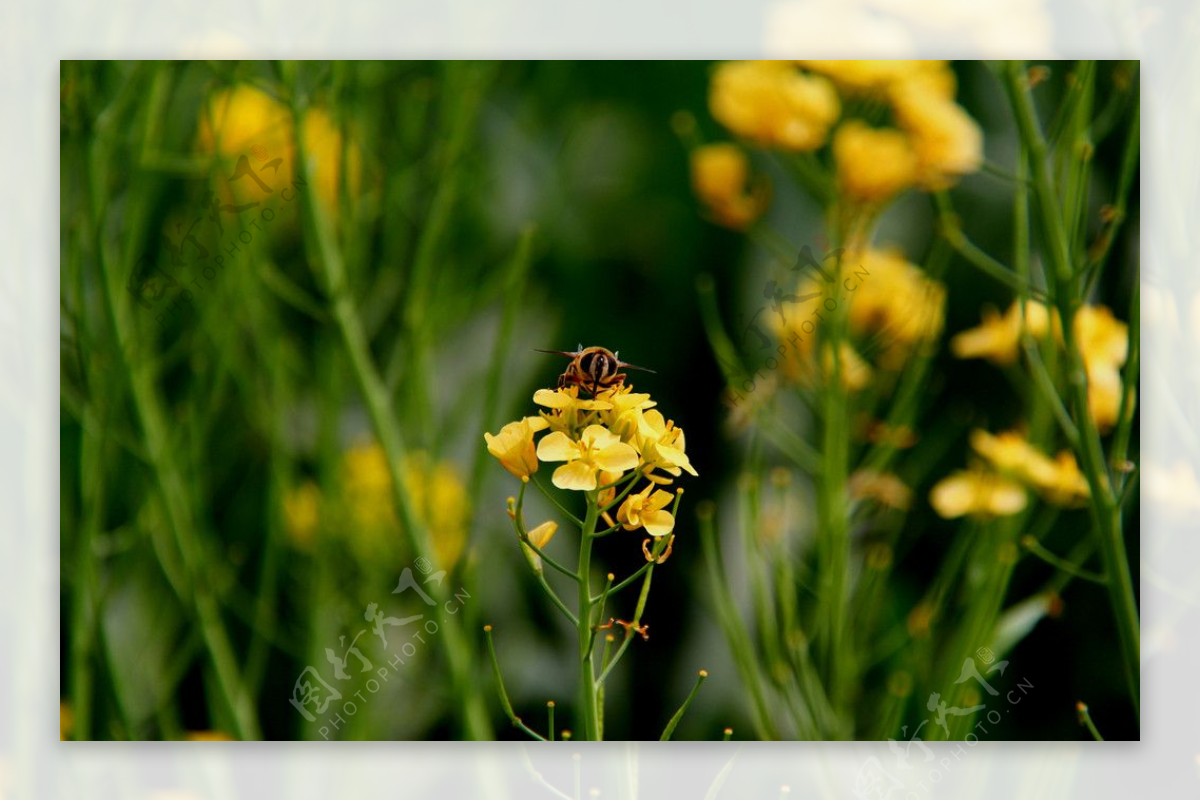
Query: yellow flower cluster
point(793, 106)
point(365, 507)
point(244, 121)
point(894, 307)
point(998, 486)
point(1103, 340)
point(600, 441)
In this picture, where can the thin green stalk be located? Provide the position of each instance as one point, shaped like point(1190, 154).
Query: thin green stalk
point(683, 708)
point(322, 250)
point(587, 668)
point(1105, 513)
point(504, 702)
point(1085, 720)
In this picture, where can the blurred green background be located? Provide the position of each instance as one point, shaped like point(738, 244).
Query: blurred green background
point(431, 173)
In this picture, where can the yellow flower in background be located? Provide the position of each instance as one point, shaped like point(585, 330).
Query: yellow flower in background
point(947, 142)
point(208, 736)
point(867, 76)
point(976, 492)
point(773, 104)
point(302, 514)
point(66, 720)
point(647, 509)
point(254, 133)
point(513, 446)
point(856, 373)
point(721, 180)
point(998, 338)
point(437, 493)
point(885, 489)
point(1104, 342)
point(873, 164)
point(894, 302)
point(597, 449)
point(1058, 479)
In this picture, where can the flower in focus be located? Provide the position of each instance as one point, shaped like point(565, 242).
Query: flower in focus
point(513, 446)
point(662, 444)
point(597, 449)
point(1058, 479)
point(647, 509)
point(721, 179)
point(773, 104)
point(302, 514)
point(541, 535)
point(976, 492)
point(998, 337)
point(1104, 342)
point(873, 164)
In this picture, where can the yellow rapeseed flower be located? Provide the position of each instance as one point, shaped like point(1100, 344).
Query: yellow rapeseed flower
point(976, 492)
point(662, 444)
point(302, 514)
point(873, 164)
point(947, 142)
point(244, 122)
point(867, 76)
point(513, 446)
point(1058, 479)
point(1104, 342)
point(885, 489)
point(597, 449)
point(646, 509)
point(895, 302)
point(721, 180)
point(998, 337)
point(773, 104)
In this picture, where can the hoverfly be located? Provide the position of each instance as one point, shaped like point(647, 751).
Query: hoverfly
point(593, 369)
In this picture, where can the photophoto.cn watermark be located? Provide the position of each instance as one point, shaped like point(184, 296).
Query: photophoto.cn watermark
point(914, 769)
point(332, 703)
point(761, 348)
point(168, 282)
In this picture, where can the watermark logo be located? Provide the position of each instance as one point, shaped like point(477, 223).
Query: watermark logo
point(400, 639)
point(762, 350)
point(912, 775)
point(192, 254)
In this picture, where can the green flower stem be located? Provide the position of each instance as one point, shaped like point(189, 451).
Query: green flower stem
point(323, 252)
point(1085, 720)
point(523, 535)
point(600, 604)
point(557, 504)
point(1106, 514)
point(504, 701)
point(587, 669)
point(731, 622)
point(659, 548)
point(621, 496)
point(1031, 544)
point(683, 708)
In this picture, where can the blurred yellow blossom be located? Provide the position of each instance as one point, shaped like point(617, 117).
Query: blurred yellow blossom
point(976, 492)
point(513, 446)
point(302, 514)
point(873, 164)
point(647, 509)
point(254, 132)
point(721, 179)
point(947, 142)
point(1104, 342)
point(773, 104)
point(895, 302)
point(208, 736)
point(437, 493)
point(66, 720)
point(998, 337)
point(867, 76)
point(597, 449)
point(1058, 479)
point(856, 373)
point(885, 489)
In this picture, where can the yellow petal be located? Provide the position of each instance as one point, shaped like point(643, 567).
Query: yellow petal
point(542, 535)
point(617, 457)
point(598, 437)
point(676, 458)
point(577, 475)
point(658, 523)
point(557, 447)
